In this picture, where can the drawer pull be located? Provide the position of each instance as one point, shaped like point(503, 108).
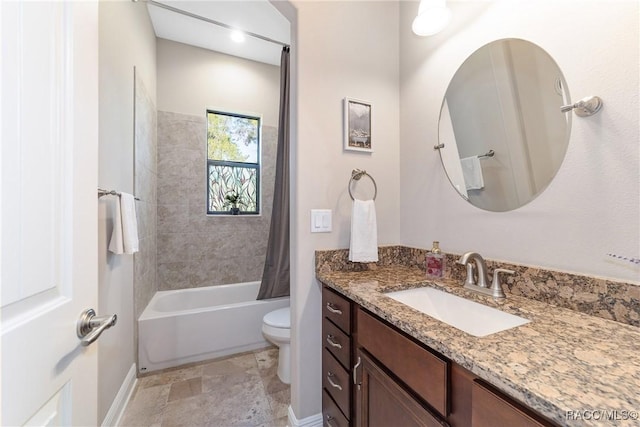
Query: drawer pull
point(333, 309)
point(332, 343)
point(338, 386)
point(330, 422)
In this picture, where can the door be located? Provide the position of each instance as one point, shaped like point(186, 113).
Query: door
point(48, 210)
point(383, 402)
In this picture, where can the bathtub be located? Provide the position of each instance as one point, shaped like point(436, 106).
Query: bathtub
point(191, 325)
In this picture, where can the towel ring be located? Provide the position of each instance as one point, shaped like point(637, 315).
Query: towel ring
point(357, 174)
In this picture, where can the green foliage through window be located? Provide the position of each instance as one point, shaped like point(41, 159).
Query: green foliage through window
point(233, 166)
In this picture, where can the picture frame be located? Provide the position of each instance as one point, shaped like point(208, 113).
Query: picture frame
point(357, 125)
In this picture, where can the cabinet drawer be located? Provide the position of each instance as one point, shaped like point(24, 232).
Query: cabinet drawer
point(337, 342)
point(335, 380)
point(385, 403)
point(490, 408)
point(332, 417)
point(337, 309)
point(424, 372)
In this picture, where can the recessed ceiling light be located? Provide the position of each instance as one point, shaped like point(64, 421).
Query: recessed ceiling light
point(237, 36)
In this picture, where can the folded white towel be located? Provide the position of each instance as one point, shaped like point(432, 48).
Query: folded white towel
point(124, 238)
point(364, 232)
point(472, 173)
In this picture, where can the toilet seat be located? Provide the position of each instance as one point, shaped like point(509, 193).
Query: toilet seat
point(277, 335)
point(280, 318)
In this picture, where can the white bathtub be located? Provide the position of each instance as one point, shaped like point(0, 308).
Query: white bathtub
point(190, 325)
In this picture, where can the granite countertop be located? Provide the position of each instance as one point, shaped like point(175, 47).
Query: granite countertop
point(561, 361)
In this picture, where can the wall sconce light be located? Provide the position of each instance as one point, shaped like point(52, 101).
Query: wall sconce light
point(433, 16)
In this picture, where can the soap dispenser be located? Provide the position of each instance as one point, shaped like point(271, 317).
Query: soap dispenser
point(435, 262)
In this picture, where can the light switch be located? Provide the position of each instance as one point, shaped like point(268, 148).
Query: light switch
point(320, 220)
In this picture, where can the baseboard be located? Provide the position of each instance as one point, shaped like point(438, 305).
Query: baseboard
point(119, 403)
point(312, 421)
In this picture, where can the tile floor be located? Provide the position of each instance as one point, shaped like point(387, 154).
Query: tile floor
point(241, 390)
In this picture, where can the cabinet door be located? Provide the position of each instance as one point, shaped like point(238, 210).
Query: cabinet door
point(490, 408)
point(421, 370)
point(381, 402)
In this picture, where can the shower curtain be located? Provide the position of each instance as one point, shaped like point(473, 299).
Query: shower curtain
point(275, 277)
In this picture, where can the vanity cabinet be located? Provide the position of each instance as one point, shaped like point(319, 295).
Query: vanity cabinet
point(388, 378)
point(337, 357)
point(383, 402)
point(492, 408)
point(423, 372)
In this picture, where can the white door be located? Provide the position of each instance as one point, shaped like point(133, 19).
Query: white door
point(49, 120)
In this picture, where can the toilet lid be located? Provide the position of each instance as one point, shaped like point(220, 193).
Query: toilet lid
point(280, 318)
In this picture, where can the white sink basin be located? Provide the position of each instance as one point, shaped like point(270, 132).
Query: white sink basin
point(468, 316)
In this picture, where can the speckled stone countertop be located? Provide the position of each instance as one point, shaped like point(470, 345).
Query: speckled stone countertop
point(561, 361)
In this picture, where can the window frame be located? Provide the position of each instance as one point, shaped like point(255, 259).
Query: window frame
point(247, 165)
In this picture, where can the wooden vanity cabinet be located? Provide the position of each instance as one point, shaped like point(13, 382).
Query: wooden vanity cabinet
point(400, 381)
point(491, 408)
point(423, 372)
point(337, 357)
point(382, 402)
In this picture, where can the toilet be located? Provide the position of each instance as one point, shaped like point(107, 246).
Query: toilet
point(276, 327)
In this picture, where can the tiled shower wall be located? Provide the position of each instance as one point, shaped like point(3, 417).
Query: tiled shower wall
point(146, 178)
point(196, 249)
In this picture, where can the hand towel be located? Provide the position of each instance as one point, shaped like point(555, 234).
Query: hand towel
point(124, 238)
point(364, 232)
point(472, 173)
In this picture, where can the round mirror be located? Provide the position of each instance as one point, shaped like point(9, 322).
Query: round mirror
point(502, 136)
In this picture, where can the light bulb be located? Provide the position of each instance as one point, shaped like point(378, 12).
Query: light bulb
point(433, 16)
point(237, 36)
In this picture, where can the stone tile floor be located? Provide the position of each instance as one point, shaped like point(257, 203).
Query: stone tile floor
point(241, 390)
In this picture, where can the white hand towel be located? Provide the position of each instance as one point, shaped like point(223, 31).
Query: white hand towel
point(116, 244)
point(124, 238)
point(364, 232)
point(472, 173)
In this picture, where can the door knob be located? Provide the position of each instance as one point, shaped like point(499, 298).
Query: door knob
point(90, 326)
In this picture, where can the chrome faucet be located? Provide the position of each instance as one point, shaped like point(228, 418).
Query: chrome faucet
point(480, 285)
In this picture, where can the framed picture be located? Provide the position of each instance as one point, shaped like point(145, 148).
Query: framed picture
point(357, 125)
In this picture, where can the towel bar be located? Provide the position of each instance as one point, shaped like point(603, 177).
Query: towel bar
point(357, 174)
point(102, 192)
point(489, 153)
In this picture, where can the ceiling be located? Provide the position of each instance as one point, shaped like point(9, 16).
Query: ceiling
point(256, 16)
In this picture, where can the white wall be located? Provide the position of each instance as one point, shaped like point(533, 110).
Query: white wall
point(126, 40)
point(192, 79)
point(342, 49)
point(592, 207)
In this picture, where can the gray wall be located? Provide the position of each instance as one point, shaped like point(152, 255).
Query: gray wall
point(126, 40)
point(195, 249)
point(146, 183)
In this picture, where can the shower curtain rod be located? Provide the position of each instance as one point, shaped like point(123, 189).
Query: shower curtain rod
point(211, 21)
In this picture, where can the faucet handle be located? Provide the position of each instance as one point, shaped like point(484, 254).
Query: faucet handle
point(496, 286)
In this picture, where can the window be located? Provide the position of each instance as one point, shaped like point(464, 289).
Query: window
point(233, 164)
